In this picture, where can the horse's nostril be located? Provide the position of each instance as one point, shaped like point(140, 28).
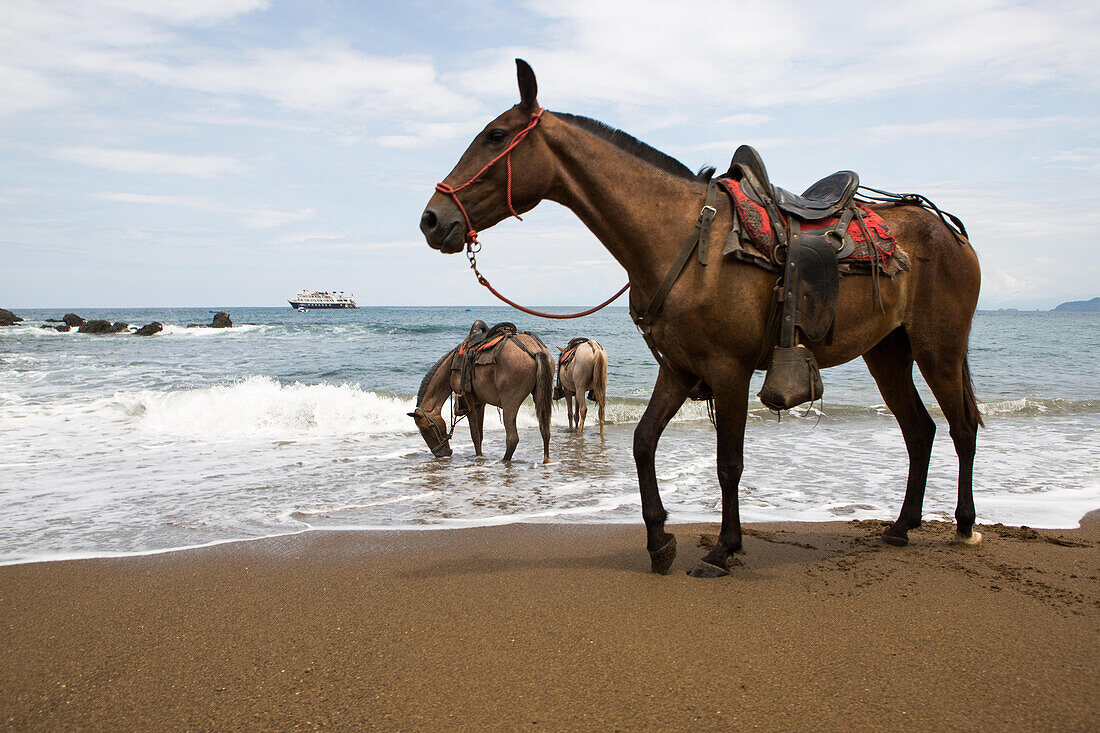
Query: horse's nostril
point(428, 221)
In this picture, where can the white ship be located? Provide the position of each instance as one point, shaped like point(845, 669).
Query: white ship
point(308, 299)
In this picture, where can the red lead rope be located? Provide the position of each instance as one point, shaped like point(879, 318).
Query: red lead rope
point(473, 246)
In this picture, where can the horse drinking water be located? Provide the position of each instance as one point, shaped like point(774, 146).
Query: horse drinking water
point(492, 366)
point(711, 325)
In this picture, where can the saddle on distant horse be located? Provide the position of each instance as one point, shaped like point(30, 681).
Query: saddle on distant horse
point(481, 347)
point(566, 356)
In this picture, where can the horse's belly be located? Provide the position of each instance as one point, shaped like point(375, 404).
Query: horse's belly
point(862, 319)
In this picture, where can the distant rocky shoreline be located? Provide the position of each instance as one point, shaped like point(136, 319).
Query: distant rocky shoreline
point(1088, 306)
point(100, 326)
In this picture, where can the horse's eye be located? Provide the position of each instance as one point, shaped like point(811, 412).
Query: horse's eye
point(497, 135)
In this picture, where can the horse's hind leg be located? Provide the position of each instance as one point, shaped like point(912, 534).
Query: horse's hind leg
point(949, 379)
point(891, 364)
point(582, 408)
point(668, 394)
point(510, 431)
point(569, 409)
point(477, 426)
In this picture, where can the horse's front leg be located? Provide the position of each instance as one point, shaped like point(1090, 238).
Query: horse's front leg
point(477, 426)
point(730, 413)
point(510, 431)
point(668, 394)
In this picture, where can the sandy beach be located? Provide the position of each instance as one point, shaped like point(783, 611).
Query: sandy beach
point(561, 627)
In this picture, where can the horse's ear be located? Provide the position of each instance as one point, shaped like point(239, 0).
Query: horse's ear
point(561, 349)
point(412, 415)
point(528, 87)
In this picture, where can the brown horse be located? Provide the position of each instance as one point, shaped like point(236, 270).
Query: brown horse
point(519, 371)
point(642, 205)
point(583, 373)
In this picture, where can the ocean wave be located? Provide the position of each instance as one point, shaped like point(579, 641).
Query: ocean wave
point(261, 406)
point(1032, 406)
point(173, 329)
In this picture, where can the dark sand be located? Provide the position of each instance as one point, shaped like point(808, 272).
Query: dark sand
point(562, 627)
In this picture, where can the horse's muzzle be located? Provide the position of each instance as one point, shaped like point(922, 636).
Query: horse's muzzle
point(445, 233)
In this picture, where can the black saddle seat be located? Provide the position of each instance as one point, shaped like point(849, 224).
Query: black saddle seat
point(822, 200)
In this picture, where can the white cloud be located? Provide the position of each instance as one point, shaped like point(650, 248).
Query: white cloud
point(755, 55)
point(744, 119)
point(188, 11)
point(255, 217)
point(22, 90)
point(981, 127)
point(150, 162)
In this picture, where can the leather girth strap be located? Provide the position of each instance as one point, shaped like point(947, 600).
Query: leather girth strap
point(699, 239)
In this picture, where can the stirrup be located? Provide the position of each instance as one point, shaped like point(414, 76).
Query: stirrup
point(793, 378)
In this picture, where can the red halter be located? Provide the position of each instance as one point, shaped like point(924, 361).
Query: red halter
point(471, 233)
point(473, 246)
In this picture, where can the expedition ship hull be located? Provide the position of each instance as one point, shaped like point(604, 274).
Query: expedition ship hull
point(314, 306)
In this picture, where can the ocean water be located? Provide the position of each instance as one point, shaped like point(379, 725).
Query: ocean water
point(295, 421)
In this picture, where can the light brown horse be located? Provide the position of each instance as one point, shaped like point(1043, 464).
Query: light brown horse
point(504, 384)
point(642, 205)
point(584, 373)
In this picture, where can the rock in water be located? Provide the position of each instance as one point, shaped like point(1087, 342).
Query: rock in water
point(7, 318)
point(150, 329)
point(221, 320)
point(73, 320)
point(100, 327)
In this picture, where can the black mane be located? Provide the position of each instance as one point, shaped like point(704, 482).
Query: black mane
point(635, 147)
point(429, 375)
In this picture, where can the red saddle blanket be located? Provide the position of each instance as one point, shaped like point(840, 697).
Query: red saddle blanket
point(879, 249)
point(483, 346)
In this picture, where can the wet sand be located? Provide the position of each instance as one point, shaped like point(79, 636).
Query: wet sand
point(562, 627)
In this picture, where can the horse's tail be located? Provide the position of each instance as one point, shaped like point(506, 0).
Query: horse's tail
point(970, 402)
point(599, 374)
point(543, 393)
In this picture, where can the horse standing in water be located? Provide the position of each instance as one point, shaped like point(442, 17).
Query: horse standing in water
point(522, 366)
point(582, 370)
point(713, 328)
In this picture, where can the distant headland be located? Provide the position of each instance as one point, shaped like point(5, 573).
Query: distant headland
point(1081, 305)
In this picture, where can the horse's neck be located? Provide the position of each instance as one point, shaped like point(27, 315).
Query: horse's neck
point(640, 213)
point(439, 387)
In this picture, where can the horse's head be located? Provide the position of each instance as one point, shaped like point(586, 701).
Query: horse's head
point(434, 431)
point(505, 171)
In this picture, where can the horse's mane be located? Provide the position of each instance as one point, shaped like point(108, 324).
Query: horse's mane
point(429, 375)
point(635, 147)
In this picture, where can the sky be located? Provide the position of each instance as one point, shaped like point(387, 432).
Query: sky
point(231, 152)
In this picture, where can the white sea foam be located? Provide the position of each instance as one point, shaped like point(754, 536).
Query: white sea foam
point(261, 406)
point(244, 329)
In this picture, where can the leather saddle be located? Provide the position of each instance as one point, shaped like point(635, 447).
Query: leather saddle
point(481, 346)
point(567, 355)
point(809, 288)
point(826, 198)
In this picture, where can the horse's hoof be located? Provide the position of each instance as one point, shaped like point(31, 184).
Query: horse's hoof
point(973, 540)
point(545, 461)
point(705, 570)
point(894, 539)
point(661, 560)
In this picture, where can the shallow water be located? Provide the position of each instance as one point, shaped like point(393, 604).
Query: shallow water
point(291, 421)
